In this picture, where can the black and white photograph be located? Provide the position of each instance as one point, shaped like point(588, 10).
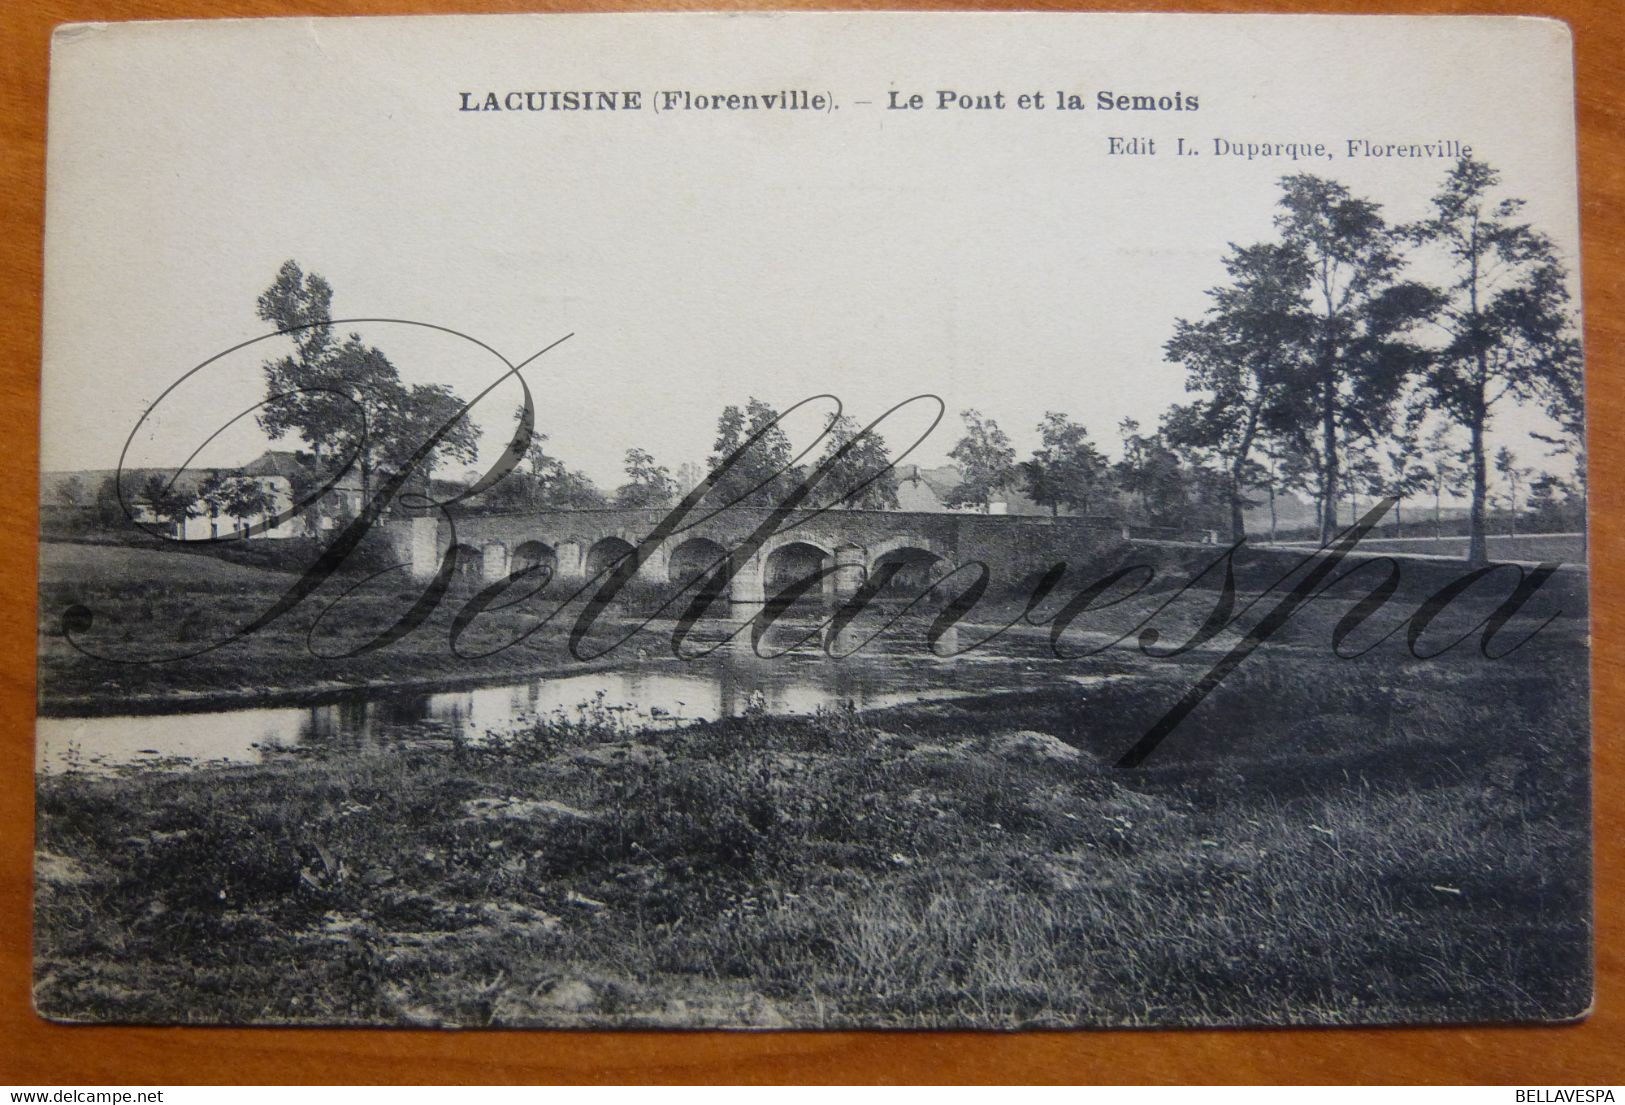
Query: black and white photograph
point(813, 521)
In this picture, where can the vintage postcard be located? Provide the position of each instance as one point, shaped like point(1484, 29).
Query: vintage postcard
point(811, 521)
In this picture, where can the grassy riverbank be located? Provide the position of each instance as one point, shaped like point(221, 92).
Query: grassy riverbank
point(1320, 841)
point(150, 605)
point(146, 605)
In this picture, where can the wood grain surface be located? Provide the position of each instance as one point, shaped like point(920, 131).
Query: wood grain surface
point(34, 1052)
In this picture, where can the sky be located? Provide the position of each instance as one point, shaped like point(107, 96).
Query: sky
point(997, 259)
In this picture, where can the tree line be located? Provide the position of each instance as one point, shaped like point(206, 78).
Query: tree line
point(1322, 365)
point(347, 402)
point(1347, 354)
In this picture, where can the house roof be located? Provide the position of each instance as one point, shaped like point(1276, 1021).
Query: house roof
point(940, 480)
point(277, 462)
point(944, 479)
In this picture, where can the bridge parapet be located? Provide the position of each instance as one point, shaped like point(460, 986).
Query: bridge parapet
point(580, 544)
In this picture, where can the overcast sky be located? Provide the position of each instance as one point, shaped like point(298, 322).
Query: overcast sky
point(999, 259)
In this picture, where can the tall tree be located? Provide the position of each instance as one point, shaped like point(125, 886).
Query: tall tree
point(168, 503)
point(240, 498)
point(1362, 471)
point(246, 499)
point(1400, 471)
point(1066, 470)
point(1554, 506)
point(1514, 476)
point(537, 481)
point(543, 481)
point(1208, 479)
point(863, 477)
point(986, 460)
point(1442, 471)
point(688, 476)
point(763, 474)
point(1358, 347)
point(346, 398)
point(1505, 315)
point(114, 497)
point(1150, 471)
point(1284, 470)
point(213, 493)
point(71, 492)
point(1241, 354)
point(1563, 395)
point(572, 489)
point(1132, 469)
point(301, 304)
point(647, 484)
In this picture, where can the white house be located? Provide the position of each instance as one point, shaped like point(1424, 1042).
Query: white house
point(209, 519)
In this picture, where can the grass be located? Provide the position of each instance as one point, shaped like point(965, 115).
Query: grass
point(62, 562)
point(1567, 548)
point(1375, 840)
point(148, 608)
point(151, 609)
point(1321, 842)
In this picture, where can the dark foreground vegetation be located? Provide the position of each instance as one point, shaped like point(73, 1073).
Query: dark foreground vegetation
point(1322, 841)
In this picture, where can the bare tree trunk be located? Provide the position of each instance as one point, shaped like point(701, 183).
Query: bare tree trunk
point(1328, 431)
point(1477, 547)
point(1238, 468)
point(1478, 552)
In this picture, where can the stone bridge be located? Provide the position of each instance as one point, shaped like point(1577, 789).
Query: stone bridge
point(580, 544)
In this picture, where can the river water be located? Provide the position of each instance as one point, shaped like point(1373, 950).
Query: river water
point(643, 692)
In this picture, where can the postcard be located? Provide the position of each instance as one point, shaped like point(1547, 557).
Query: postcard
point(799, 521)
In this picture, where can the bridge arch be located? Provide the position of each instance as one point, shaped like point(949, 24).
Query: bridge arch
point(468, 562)
point(795, 559)
point(692, 558)
point(604, 553)
point(916, 567)
point(535, 554)
point(853, 541)
point(898, 541)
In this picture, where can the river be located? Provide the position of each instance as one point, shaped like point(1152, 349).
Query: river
point(647, 692)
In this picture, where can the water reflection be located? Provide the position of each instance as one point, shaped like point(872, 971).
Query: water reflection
point(656, 693)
